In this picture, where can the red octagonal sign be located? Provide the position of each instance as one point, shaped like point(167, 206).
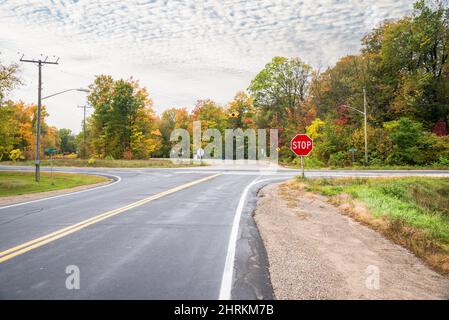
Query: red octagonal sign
point(301, 145)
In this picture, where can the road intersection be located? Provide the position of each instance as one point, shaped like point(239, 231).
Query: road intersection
point(182, 233)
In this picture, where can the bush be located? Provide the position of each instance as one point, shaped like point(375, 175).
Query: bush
point(311, 162)
point(405, 135)
point(91, 161)
point(376, 162)
point(443, 162)
point(432, 148)
point(338, 159)
point(15, 154)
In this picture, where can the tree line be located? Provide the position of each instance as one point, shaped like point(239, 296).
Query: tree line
point(402, 65)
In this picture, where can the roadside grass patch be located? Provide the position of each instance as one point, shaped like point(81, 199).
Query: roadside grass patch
point(412, 211)
point(19, 183)
point(107, 163)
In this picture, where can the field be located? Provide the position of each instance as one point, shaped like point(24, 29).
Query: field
point(19, 183)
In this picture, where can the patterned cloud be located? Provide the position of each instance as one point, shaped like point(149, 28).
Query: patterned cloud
point(183, 50)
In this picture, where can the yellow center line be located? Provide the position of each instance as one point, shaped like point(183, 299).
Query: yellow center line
point(38, 242)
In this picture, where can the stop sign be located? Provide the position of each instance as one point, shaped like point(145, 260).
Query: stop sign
point(301, 145)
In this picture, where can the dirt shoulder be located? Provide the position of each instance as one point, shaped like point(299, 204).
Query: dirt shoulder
point(315, 252)
point(9, 200)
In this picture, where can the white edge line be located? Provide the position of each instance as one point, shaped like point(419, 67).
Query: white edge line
point(228, 272)
point(118, 179)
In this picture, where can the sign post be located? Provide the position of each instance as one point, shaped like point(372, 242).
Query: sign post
point(353, 151)
point(51, 151)
point(301, 145)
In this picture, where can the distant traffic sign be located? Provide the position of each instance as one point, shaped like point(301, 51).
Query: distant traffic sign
point(50, 150)
point(301, 145)
point(200, 153)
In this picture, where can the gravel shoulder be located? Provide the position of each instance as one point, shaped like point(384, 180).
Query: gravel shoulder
point(315, 252)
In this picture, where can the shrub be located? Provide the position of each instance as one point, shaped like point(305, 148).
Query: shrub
point(376, 162)
point(311, 162)
point(405, 135)
point(443, 162)
point(15, 154)
point(338, 159)
point(91, 161)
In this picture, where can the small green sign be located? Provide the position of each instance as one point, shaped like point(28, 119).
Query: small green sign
point(50, 150)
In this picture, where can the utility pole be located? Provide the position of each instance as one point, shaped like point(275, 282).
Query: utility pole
point(365, 117)
point(366, 126)
point(84, 127)
point(40, 63)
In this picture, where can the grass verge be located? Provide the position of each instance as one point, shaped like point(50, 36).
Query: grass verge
point(413, 212)
point(371, 167)
point(19, 183)
point(152, 163)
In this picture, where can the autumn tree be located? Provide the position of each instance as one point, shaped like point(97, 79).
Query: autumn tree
point(241, 111)
point(9, 79)
point(211, 115)
point(123, 122)
point(171, 119)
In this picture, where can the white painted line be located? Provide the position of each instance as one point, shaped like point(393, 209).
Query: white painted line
point(118, 179)
point(228, 272)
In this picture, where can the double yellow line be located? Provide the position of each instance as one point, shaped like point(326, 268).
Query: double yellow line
point(36, 243)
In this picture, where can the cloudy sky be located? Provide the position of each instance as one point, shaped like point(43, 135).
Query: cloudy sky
point(181, 50)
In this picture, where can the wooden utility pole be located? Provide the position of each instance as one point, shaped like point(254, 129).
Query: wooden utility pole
point(40, 63)
point(366, 126)
point(84, 127)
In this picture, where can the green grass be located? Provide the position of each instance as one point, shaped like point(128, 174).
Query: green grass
point(370, 167)
point(19, 183)
point(152, 163)
point(421, 203)
point(413, 212)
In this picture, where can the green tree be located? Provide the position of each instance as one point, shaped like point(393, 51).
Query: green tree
point(405, 135)
point(280, 90)
point(67, 141)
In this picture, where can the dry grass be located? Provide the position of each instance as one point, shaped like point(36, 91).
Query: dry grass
point(425, 240)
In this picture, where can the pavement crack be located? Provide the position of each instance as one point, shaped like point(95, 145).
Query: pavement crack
point(22, 216)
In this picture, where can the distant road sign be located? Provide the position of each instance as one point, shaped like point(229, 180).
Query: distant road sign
point(301, 145)
point(50, 150)
point(200, 153)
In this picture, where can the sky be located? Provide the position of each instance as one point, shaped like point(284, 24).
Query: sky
point(181, 50)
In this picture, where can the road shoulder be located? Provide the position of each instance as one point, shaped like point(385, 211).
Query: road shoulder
point(315, 252)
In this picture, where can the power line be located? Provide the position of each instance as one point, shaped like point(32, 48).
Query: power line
point(40, 63)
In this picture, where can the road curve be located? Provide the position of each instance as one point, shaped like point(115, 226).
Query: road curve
point(164, 234)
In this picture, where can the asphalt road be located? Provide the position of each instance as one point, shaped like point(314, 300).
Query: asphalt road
point(152, 234)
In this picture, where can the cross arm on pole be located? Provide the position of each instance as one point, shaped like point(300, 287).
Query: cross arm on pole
point(357, 110)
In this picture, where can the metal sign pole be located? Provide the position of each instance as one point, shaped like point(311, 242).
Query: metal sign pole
point(51, 165)
point(302, 167)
